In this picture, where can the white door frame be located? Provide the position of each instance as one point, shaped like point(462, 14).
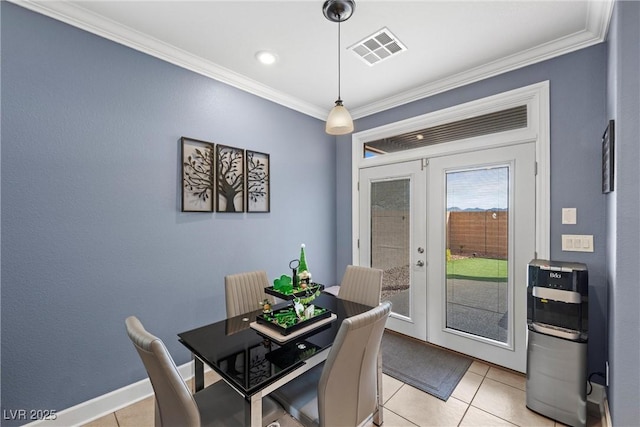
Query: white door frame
point(413, 323)
point(535, 96)
point(521, 235)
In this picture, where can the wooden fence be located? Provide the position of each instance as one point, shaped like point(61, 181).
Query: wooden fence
point(480, 234)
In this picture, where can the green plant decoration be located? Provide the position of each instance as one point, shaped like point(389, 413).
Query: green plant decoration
point(306, 300)
point(283, 284)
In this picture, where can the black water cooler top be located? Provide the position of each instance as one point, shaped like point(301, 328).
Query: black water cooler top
point(557, 299)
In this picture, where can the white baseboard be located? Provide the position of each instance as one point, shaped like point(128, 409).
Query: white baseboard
point(100, 406)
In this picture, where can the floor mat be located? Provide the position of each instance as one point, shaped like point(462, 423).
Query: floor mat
point(429, 368)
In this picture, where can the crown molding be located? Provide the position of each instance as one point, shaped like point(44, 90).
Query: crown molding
point(74, 15)
point(596, 26)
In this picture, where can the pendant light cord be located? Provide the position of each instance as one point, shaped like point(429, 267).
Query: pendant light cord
point(339, 57)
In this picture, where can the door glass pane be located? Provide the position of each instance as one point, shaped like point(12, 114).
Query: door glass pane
point(477, 215)
point(390, 219)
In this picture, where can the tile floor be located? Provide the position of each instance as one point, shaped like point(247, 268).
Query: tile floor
point(486, 396)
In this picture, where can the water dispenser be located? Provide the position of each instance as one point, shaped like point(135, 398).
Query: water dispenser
point(557, 321)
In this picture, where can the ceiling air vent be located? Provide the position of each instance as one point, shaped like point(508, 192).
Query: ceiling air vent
point(378, 47)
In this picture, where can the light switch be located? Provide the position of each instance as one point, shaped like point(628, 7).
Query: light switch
point(567, 244)
point(569, 215)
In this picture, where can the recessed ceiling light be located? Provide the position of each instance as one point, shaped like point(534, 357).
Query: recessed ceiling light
point(419, 136)
point(266, 57)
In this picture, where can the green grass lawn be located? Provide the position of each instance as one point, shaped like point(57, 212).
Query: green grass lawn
point(485, 269)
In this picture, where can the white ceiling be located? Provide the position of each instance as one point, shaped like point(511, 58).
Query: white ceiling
point(449, 43)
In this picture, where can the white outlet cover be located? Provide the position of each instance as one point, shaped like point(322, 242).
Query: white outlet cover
point(577, 243)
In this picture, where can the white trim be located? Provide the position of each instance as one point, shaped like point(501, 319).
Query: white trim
point(596, 26)
point(543, 178)
point(74, 15)
point(522, 59)
point(108, 403)
point(536, 96)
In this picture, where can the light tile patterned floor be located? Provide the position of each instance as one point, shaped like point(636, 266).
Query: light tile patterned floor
point(486, 396)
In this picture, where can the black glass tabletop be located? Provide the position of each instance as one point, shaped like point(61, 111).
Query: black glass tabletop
point(252, 361)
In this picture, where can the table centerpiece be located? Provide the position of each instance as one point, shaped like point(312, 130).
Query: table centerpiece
point(299, 314)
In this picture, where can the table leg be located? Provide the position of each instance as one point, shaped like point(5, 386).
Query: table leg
point(198, 375)
point(378, 416)
point(253, 411)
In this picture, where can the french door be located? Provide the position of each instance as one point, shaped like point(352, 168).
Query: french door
point(393, 238)
point(453, 234)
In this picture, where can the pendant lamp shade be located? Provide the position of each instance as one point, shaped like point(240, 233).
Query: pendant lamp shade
point(339, 121)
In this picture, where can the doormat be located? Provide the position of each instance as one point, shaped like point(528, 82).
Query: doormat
point(431, 369)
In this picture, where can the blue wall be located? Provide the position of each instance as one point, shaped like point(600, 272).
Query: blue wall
point(623, 205)
point(91, 228)
point(91, 225)
point(577, 97)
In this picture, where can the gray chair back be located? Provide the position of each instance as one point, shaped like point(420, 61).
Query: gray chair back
point(362, 285)
point(175, 405)
point(244, 291)
point(347, 391)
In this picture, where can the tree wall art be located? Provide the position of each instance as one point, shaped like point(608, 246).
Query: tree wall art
point(197, 175)
point(221, 178)
point(229, 179)
point(258, 194)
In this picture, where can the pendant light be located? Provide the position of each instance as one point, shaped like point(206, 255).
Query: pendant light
point(339, 121)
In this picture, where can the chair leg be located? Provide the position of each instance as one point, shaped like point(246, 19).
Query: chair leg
point(378, 416)
point(157, 422)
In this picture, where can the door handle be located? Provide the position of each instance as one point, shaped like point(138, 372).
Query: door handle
point(420, 263)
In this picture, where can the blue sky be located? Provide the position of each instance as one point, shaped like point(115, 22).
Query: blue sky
point(478, 188)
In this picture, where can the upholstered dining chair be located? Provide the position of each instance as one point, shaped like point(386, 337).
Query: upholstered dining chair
point(342, 391)
point(362, 285)
point(244, 291)
point(216, 405)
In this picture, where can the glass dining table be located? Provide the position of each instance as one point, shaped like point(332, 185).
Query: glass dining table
point(256, 363)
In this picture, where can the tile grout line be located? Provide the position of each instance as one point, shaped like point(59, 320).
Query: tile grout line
point(400, 416)
point(474, 394)
point(499, 382)
point(396, 392)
